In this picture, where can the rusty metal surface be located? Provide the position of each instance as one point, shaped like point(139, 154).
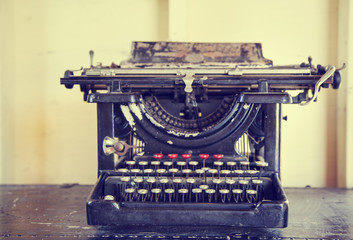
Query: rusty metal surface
point(58, 212)
point(197, 53)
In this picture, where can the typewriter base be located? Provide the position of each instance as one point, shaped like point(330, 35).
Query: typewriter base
point(271, 214)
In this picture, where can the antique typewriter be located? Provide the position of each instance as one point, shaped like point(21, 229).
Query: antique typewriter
point(189, 133)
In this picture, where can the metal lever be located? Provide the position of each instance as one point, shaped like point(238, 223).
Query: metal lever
point(111, 145)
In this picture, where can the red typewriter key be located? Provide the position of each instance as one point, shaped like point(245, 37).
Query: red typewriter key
point(186, 156)
point(204, 156)
point(218, 156)
point(158, 156)
point(173, 155)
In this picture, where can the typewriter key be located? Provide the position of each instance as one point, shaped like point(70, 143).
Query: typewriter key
point(129, 194)
point(161, 171)
point(148, 171)
point(143, 163)
point(156, 193)
point(210, 192)
point(123, 171)
point(143, 194)
point(196, 192)
point(183, 192)
point(237, 195)
point(187, 172)
point(177, 180)
point(230, 181)
point(130, 163)
point(191, 180)
point(251, 195)
point(164, 180)
point(244, 165)
point(138, 180)
point(169, 192)
point(168, 163)
point(135, 171)
point(155, 163)
point(224, 194)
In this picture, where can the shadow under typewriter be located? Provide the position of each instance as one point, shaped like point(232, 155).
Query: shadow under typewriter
point(227, 192)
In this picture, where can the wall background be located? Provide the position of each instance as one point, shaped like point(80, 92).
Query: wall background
point(48, 134)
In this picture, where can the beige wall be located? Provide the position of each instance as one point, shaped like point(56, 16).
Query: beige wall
point(49, 133)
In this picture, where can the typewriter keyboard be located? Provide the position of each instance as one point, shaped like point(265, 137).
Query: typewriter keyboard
point(186, 179)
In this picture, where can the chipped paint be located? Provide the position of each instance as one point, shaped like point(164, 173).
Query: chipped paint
point(127, 114)
point(136, 110)
point(170, 142)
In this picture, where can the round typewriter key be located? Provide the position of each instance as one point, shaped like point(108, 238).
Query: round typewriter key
point(130, 190)
point(169, 190)
point(180, 163)
point(170, 193)
point(138, 180)
point(156, 190)
point(231, 163)
point(251, 172)
point(125, 179)
point(199, 171)
point(190, 180)
point(183, 192)
point(135, 170)
point(161, 171)
point(218, 156)
point(237, 191)
point(244, 164)
point(196, 192)
point(155, 163)
point(168, 163)
point(217, 181)
point(143, 193)
point(177, 180)
point(186, 171)
point(211, 193)
point(251, 195)
point(237, 194)
point(257, 181)
point(109, 198)
point(225, 171)
point(130, 163)
point(172, 156)
point(204, 187)
point(123, 170)
point(193, 163)
point(212, 171)
point(218, 163)
point(143, 163)
point(151, 180)
point(230, 181)
point(148, 171)
point(164, 180)
point(186, 156)
point(173, 170)
point(243, 182)
point(223, 191)
point(158, 156)
point(239, 172)
point(205, 169)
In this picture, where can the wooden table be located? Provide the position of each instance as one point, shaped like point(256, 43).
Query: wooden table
point(58, 212)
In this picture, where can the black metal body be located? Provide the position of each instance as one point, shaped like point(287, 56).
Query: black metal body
point(192, 99)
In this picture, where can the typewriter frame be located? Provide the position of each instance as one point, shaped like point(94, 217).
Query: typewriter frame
point(261, 85)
